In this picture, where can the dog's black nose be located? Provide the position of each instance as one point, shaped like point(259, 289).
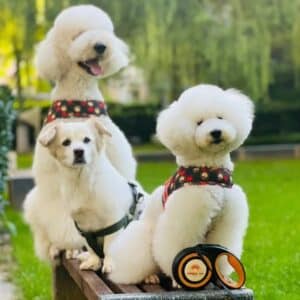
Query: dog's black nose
point(216, 134)
point(99, 48)
point(78, 153)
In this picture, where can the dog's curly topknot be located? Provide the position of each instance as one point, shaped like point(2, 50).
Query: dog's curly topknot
point(72, 39)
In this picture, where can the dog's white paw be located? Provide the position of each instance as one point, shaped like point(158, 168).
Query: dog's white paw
point(152, 279)
point(89, 261)
point(107, 265)
point(83, 256)
point(72, 253)
point(54, 253)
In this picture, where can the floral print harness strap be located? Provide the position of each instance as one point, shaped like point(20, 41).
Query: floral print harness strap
point(63, 109)
point(197, 176)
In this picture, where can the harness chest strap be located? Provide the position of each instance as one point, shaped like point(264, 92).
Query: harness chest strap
point(93, 236)
point(196, 176)
point(64, 109)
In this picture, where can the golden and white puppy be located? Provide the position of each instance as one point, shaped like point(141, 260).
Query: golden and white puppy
point(95, 193)
point(201, 128)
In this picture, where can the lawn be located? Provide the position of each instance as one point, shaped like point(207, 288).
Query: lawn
point(271, 254)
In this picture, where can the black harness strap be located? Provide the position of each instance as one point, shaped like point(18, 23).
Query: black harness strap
point(93, 236)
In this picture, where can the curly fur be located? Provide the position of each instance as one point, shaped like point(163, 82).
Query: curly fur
point(69, 42)
point(193, 214)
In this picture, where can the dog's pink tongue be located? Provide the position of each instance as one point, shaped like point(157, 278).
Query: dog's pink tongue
point(95, 68)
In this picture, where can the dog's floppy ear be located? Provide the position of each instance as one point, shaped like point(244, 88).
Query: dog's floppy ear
point(101, 129)
point(46, 60)
point(47, 134)
point(243, 101)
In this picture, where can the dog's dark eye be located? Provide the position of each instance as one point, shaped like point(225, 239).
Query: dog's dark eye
point(86, 140)
point(199, 123)
point(66, 142)
point(221, 118)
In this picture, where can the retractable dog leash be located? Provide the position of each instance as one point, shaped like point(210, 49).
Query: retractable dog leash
point(193, 268)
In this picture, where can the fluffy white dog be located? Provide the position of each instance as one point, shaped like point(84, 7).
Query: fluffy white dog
point(97, 194)
point(198, 204)
point(80, 48)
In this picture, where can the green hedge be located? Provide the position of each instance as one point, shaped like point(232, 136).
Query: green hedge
point(137, 121)
point(7, 117)
point(274, 123)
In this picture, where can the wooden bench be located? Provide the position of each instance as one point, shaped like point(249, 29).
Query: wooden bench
point(71, 283)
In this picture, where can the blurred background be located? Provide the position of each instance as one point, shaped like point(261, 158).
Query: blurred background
point(252, 45)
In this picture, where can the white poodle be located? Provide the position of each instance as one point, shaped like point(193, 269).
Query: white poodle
point(79, 49)
point(98, 195)
point(199, 203)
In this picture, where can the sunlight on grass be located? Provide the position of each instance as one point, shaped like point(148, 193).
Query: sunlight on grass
point(271, 252)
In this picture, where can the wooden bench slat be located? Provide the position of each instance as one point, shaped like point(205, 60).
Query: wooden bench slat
point(91, 285)
point(64, 286)
point(121, 288)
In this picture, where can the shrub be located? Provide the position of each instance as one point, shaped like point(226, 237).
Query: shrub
point(276, 122)
point(7, 117)
point(136, 121)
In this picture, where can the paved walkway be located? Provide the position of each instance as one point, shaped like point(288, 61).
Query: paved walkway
point(7, 289)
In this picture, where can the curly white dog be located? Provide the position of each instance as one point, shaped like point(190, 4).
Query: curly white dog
point(80, 48)
point(199, 204)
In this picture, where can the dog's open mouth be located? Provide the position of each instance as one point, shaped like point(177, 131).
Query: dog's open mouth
point(91, 66)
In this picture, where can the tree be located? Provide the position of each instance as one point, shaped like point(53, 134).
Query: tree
point(252, 45)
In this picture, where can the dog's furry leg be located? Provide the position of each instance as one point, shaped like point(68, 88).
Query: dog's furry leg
point(41, 244)
point(231, 225)
point(108, 263)
point(183, 223)
point(54, 253)
point(132, 250)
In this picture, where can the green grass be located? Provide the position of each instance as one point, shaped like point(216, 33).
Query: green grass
point(24, 161)
point(31, 276)
point(148, 148)
point(271, 252)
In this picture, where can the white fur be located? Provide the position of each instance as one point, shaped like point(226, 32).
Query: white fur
point(95, 193)
point(72, 38)
point(193, 214)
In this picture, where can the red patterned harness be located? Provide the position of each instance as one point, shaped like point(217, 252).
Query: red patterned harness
point(197, 176)
point(64, 109)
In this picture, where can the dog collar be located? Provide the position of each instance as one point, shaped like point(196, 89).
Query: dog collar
point(196, 176)
point(64, 109)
